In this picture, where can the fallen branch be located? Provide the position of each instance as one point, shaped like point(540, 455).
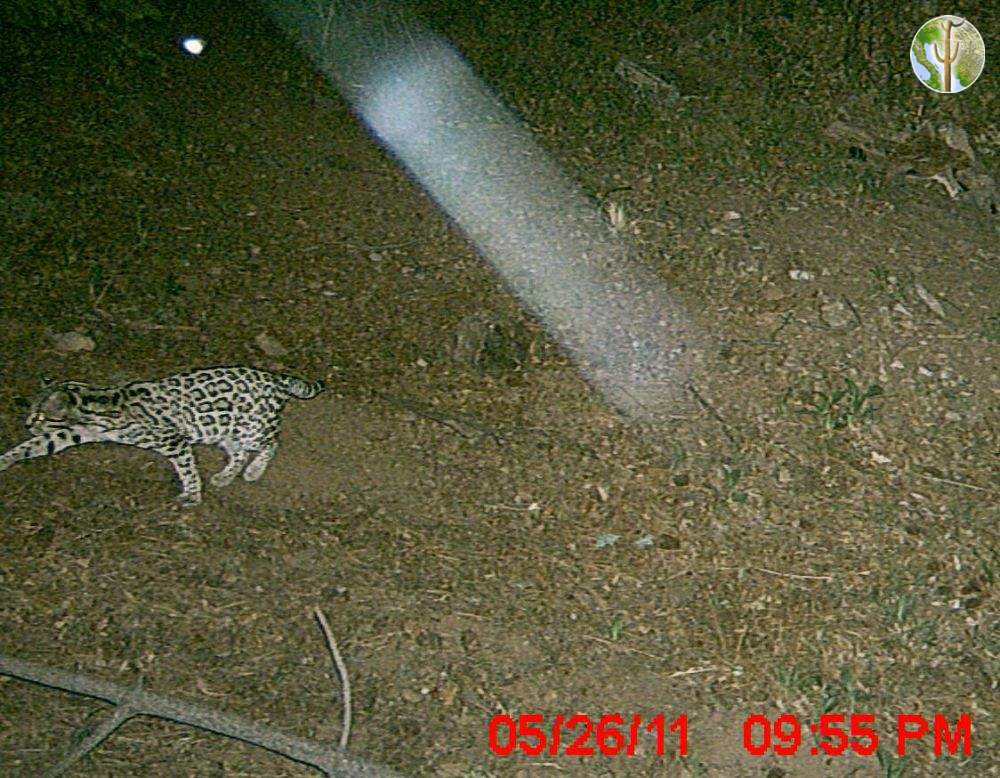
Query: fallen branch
point(137, 702)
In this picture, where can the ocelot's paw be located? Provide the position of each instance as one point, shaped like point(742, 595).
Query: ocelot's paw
point(222, 478)
point(255, 469)
point(252, 473)
point(258, 465)
point(188, 499)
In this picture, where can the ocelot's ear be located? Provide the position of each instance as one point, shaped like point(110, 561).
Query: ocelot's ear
point(55, 405)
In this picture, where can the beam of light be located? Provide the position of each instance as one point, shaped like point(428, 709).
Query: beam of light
point(548, 241)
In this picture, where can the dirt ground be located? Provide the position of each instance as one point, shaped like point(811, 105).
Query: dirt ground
point(785, 543)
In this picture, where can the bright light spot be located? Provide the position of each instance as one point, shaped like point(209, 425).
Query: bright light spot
point(551, 244)
point(192, 45)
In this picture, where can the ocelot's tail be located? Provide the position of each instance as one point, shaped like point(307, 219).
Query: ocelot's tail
point(298, 387)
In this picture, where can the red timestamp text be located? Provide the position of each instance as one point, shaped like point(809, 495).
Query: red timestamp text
point(835, 734)
point(579, 735)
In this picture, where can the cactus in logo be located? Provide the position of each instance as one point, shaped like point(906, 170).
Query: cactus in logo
point(948, 54)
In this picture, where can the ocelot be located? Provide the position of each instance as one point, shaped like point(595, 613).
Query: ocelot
point(235, 408)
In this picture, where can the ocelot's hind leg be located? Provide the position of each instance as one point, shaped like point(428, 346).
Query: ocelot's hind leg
point(260, 462)
point(238, 457)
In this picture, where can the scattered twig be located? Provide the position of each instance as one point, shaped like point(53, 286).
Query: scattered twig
point(327, 18)
point(694, 671)
point(963, 484)
point(798, 576)
point(345, 733)
point(378, 248)
point(852, 308)
point(139, 324)
point(630, 650)
point(784, 322)
point(605, 195)
point(711, 410)
point(467, 428)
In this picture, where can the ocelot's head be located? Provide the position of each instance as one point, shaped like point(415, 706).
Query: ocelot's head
point(65, 404)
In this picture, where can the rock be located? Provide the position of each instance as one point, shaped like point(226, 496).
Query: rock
point(774, 294)
point(836, 314)
point(412, 696)
point(801, 275)
point(649, 81)
point(269, 345)
point(491, 344)
point(731, 223)
point(71, 342)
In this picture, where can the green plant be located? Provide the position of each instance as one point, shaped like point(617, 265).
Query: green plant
point(172, 286)
point(693, 765)
point(843, 694)
point(991, 328)
point(732, 472)
point(795, 680)
point(844, 407)
point(888, 766)
point(731, 476)
point(884, 283)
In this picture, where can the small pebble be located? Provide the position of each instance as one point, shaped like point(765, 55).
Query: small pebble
point(411, 696)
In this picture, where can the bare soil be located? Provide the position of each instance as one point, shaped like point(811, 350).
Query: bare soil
point(808, 553)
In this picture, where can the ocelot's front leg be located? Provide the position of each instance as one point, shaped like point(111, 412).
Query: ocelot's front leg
point(48, 443)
